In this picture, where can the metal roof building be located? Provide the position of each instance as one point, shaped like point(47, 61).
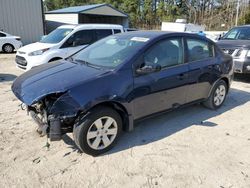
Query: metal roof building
point(97, 13)
point(23, 18)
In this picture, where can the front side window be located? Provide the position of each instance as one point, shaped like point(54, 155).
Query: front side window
point(56, 36)
point(101, 33)
point(2, 35)
point(199, 50)
point(79, 38)
point(166, 53)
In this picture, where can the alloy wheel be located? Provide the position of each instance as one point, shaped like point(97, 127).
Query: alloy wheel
point(220, 94)
point(102, 133)
point(8, 48)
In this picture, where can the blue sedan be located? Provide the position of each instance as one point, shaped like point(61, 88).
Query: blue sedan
point(105, 87)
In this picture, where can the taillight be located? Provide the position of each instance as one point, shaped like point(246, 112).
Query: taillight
point(18, 38)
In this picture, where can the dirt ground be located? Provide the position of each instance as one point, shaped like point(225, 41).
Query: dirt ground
point(191, 147)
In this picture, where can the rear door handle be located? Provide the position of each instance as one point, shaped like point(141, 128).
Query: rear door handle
point(181, 76)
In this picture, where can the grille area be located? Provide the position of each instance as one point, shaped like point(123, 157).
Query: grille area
point(21, 60)
point(238, 53)
point(229, 51)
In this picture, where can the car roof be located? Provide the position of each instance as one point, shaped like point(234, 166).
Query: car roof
point(157, 34)
point(92, 26)
point(241, 26)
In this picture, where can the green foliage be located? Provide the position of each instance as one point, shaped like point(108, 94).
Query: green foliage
point(245, 19)
point(150, 13)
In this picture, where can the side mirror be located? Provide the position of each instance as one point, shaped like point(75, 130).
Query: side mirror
point(219, 37)
point(149, 68)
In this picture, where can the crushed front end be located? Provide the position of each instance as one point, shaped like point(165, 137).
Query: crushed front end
point(55, 115)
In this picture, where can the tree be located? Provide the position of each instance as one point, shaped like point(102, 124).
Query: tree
point(149, 14)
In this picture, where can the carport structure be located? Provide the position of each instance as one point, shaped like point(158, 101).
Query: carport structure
point(97, 13)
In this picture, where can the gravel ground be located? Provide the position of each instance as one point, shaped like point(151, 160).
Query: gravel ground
point(191, 147)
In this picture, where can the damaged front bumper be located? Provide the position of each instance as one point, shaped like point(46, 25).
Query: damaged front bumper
point(55, 116)
point(47, 125)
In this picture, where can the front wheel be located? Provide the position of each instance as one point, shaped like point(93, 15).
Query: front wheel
point(217, 96)
point(98, 131)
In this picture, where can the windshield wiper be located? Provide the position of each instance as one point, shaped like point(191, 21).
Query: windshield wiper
point(87, 63)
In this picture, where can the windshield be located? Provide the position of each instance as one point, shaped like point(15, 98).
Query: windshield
point(240, 33)
point(56, 36)
point(111, 51)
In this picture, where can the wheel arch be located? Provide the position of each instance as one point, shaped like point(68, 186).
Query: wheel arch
point(55, 59)
point(225, 79)
point(127, 123)
point(227, 82)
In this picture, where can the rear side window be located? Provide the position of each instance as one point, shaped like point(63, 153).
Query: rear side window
point(199, 50)
point(117, 31)
point(2, 35)
point(101, 33)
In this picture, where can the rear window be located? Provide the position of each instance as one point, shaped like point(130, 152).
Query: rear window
point(101, 33)
point(2, 35)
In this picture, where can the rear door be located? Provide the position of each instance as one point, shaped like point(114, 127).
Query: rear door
point(202, 68)
point(158, 91)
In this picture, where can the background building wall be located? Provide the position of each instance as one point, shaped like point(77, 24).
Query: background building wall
point(23, 18)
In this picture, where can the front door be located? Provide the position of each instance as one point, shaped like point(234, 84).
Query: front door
point(165, 89)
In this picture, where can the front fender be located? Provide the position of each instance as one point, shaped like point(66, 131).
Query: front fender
point(65, 105)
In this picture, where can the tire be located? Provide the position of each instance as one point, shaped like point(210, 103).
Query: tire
point(92, 136)
point(8, 48)
point(217, 96)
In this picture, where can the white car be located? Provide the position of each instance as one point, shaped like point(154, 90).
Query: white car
point(9, 43)
point(63, 42)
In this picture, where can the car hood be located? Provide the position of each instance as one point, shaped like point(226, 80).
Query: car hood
point(233, 44)
point(50, 78)
point(35, 46)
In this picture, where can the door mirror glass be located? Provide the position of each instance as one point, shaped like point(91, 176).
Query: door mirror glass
point(148, 68)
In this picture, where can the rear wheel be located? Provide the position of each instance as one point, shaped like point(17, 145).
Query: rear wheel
point(217, 96)
point(8, 48)
point(98, 131)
